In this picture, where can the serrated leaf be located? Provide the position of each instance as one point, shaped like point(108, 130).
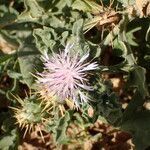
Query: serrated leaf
point(45, 39)
point(80, 46)
point(29, 61)
point(33, 12)
point(61, 128)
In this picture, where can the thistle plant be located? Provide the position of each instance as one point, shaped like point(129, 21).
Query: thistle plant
point(71, 93)
point(65, 77)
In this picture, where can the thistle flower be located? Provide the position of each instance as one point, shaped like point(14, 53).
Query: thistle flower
point(65, 76)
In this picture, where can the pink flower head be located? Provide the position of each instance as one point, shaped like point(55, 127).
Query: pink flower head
point(66, 76)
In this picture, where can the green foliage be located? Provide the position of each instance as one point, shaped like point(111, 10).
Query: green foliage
point(8, 15)
point(138, 125)
point(9, 141)
point(46, 39)
point(87, 6)
point(61, 127)
point(29, 61)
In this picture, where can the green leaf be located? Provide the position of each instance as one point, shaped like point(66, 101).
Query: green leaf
point(5, 57)
point(45, 39)
point(61, 128)
point(33, 12)
point(14, 75)
point(79, 120)
point(109, 107)
point(65, 35)
point(8, 142)
point(61, 4)
point(86, 5)
point(29, 61)
point(80, 46)
point(95, 50)
point(137, 79)
point(135, 104)
point(138, 125)
point(147, 58)
point(7, 15)
point(119, 49)
point(109, 38)
point(130, 36)
point(77, 29)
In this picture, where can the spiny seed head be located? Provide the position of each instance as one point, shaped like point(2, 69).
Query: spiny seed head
point(65, 76)
point(29, 114)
